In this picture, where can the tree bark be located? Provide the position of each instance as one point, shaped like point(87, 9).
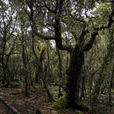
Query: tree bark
point(82, 95)
point(60, 74)
point(73, 79)
point(110, 87)
point(27, 84)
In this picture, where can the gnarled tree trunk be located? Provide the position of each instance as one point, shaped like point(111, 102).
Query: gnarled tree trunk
point(73, 80)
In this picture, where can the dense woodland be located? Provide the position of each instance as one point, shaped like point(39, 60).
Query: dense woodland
point(60, 52)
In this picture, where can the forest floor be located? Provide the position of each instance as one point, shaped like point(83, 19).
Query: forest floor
point(39, 101)
point(26, 105)
point(4, 109)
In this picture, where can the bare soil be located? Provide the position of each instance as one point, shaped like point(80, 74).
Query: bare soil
point(39, 101)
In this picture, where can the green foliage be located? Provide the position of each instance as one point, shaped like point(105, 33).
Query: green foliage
point(103, 9)
point(3, 5)
point(35, 85)
point(18, 2)
point(41, 53)
point(90, 3)
point(101, 14)
point(112, 91)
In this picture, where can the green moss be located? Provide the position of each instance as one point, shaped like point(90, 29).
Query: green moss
point(54, 90)
point(83, 106)
point(37, 85)
point(60, 103)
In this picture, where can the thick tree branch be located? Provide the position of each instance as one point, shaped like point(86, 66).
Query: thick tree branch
point(57, 27)
point(45, 37)
point(33, 25)
point(94, 34)
point(89, 45)
point(81, 38)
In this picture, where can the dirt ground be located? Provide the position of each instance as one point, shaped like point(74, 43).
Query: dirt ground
point(39, 101)
point(4, 109)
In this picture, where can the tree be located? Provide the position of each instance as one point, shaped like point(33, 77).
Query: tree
point(76, 53)
point(7, 29)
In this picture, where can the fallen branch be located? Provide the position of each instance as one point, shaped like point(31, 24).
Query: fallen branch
point(11, 108)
